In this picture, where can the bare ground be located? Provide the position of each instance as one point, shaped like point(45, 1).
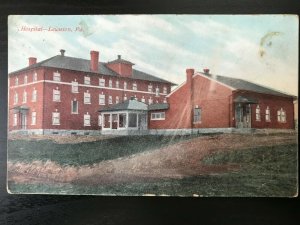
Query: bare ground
point(175, 161)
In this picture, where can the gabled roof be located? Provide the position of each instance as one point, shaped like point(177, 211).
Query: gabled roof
point(130, 104)
point(240, 84)
point(83, 65)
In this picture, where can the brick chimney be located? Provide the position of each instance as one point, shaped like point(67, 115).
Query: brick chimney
point(206, 71)
point(94, 61)
point(189, 97)
point(31, 61)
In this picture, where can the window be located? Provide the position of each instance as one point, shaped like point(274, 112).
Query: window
point(125, 85)
point(74, 107)
point(134, 86)
point(34, 76)
point(143, 99)
point(101, 82)
point(24, 97)
point(110, 99)
point(15, 122)
point(125, 97)
point(158, 116)
point(197, 115)
point(101, 99)
point(132, 117)
point(268, 117)
point(165, 100)
point(87, 120)
point(87, 80)
point(25, 79)
point(16, 81)
point(165, 90)
point(281, 116)
point(34, 95)
point(16, 98)
point(33, 118)
point(257, 113)
point(117, 99)
point(117, 84)
point(122, 120)
point(74, 86)
point(56, 95)
point(157, 91)
point(55, 118)
point(110, 83)
point(56, 76)
point(100, 120)
point(150, 101)
point(150, 88)
point(87, 98)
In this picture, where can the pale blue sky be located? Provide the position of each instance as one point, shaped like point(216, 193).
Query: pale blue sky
point(165, 45)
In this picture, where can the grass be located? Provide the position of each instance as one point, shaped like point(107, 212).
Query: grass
point(86, 153)
point(265, 171)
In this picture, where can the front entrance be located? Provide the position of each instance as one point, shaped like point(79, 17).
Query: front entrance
point(243, 115)
point(23, 121)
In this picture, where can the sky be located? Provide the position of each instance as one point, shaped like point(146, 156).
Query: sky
point(258, 48)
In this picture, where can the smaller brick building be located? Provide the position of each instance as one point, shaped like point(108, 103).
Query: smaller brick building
point(207, 101)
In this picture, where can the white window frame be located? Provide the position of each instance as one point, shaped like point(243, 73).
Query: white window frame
point(34, 95)
point(15, 119)
point(33, 118)
point(101, 82)
point(143, 99)
point(87, 98)
point(55, 118)
point(125, 85)
point(268, 114)
point(117, 84)
point(165, 90)
point(157, 91)
point(16, 81)
point(110, 83)
point(56, 76)
point(281, 116)
point(34, 77)
point(87, 80)
point(87, 120)
point(16, 98)
point(158, 116)
point(150, 101)
point(125, 97)
point(74, 87)
point(101, 99)
point(100, 120)
point(150, 88)
point(117, 99)
point(72, 107)
point(197, 118)
point(56, 95)
point(165, 100)
point(134, 86)
point(257, 113)
point(25, 79)
point(24, 97)
point(110, 101)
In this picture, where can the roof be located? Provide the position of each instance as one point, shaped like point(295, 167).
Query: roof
point(243, 99)
point(158, 106)
point(130, 104)
point(83, 65)
point(120, 60)
point(241, 84)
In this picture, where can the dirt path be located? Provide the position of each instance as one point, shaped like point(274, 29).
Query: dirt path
point(175, 161)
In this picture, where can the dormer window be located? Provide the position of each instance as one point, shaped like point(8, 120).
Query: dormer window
point(87, 80)
point(56, 76)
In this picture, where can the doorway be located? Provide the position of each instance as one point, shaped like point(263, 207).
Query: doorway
point(243, 115)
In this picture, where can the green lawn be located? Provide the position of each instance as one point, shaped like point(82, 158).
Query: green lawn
point(265, 171)
point(86, 152)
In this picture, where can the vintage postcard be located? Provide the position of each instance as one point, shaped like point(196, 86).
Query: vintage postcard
point(153, 105)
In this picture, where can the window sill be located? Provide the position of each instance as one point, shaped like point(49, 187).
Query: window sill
point(199, 122)
point(55, 124)
point(86, 125)
point(87, 103)
point(158, 119)
point(56, 101)
point(74, 113)
point(75, 92)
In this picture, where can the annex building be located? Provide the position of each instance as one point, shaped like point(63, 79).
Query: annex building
point(67, 95)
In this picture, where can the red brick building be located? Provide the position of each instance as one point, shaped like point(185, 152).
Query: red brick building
point(66, 95)
point(62, 95)
point(208, 102)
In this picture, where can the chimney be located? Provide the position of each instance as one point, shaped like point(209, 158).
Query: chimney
point(189, 76)
point(119, 57)
point(94, 61)
point(206, 71)
point(62, 52)
point(32, 61)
